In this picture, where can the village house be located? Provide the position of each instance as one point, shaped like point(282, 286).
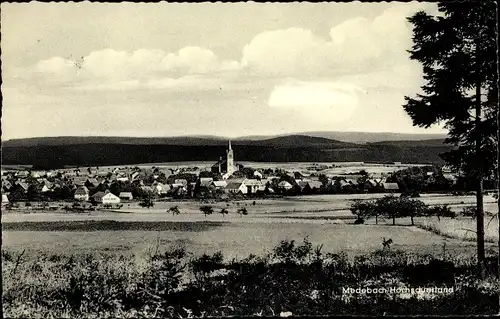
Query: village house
point(206, 182)
point(160, 188)
point(148, 190)
point(253, 185)
point(81, 194)
point(23, 186)
point(105, 198)
point(285, 185)
point(126, 196)
point(181, 181)
point(315, 185)
point(79, 180)
point(22, 174)
point(257, 174)
point(219, 184)
point(5, 199)
point(236, 187)
point(391, 187)
point(6, 185)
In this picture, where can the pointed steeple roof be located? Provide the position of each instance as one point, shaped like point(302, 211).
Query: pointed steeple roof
point(230, 145)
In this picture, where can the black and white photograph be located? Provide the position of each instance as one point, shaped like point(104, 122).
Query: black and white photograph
point(256, 159)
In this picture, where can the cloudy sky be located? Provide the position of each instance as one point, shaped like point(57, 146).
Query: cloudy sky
point(229, 69)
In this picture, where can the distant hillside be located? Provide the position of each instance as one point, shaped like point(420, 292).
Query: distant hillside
point(98, 151)
point(428, 143)
point(366, 137)
point(283, 141)
point(296, 141)
point(77, 140)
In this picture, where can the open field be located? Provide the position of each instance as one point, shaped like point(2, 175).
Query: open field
point(324, 219)
point(297, 206)
point(338, 168)
point(235, 240)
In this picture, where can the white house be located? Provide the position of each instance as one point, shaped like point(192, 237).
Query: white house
point(5, 199)
point(257, 174)
point(285, 185)
point(236, 187)
point(105, 198)
point(160, 188)
point(109, 198)
point(219, 184)
point(253, 185)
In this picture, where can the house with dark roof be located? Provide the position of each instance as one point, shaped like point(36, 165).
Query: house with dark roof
point(391, 187)
point(81, 194)
point(105, 198)
point(219, 184)
point(126, 195)
point(236, 187)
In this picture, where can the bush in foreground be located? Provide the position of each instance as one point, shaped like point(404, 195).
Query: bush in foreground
point(294, 277)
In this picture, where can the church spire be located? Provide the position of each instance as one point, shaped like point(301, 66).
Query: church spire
point(229, 144)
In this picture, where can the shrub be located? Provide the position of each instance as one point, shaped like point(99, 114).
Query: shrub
point(439, 211)
point(207, 210)
point(359, 221)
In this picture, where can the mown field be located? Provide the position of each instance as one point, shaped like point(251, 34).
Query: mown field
point(324, 219)
point(235, 240)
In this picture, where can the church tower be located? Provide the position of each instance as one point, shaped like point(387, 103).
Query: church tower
point(230, 160)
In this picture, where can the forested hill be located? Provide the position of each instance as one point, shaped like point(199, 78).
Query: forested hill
point(98, 151)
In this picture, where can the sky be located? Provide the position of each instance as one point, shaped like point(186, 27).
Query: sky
point(226, 69)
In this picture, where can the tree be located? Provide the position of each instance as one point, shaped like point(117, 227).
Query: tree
point(364, 210)
point(224, 212)
point(386, 206)
point(458, 53)
point(174, 210)
point(407, 207)
point(242, 211)
point(207, 210)
point(147, 202)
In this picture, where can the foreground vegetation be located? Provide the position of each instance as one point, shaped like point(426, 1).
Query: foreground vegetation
point(296, 279)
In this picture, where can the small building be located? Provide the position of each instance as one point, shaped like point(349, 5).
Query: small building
point(24, 186)
point(5, 199)
point(236, 187)
point(126, 196)
point(219, 184)
point(105, 198)
point(160, 188)
point(182, 181)
point(285, 185)
point(206, 182)
point(82, 193)
point(315, 185)
point(391, 187)
point(257, 174)
point(79, 180)
point(252, 185)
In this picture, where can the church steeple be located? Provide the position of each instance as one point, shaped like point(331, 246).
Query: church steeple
point(230, 160)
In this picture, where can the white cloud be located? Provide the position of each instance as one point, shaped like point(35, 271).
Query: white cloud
point(354, 45)
point(112, 65)
point(321, 101)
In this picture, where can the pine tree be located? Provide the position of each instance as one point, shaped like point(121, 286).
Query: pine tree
point(457, 50)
